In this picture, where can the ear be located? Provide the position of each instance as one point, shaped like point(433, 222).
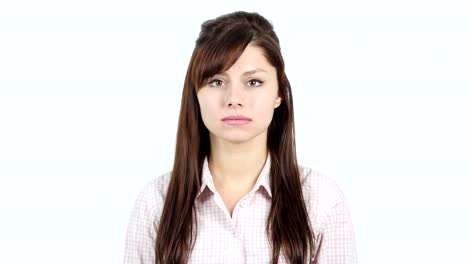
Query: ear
point(278, 101)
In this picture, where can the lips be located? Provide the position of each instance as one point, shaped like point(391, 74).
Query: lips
point(237, 117)
point(236, 120)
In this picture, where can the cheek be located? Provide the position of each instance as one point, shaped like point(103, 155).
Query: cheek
point(265, 110)
point(207, 108)
point(202, 106)
point(268, 104)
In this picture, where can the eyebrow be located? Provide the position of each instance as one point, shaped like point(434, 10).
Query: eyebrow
point(248, 72)
point(253, 71)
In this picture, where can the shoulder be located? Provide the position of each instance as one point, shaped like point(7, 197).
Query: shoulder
point(144, 221)
point(321, 194)
point(320, 188)
point(157, 187)
point(150, 199)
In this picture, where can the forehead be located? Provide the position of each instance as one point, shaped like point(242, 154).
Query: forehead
point(251, 59)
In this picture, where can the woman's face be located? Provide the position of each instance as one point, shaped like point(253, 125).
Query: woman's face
point(249, 88)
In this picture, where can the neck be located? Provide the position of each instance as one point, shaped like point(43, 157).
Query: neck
point(237, 166)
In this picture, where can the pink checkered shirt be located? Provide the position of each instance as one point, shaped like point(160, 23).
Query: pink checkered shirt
point(242, 238)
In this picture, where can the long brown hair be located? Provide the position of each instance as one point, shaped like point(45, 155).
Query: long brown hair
point(220, 43)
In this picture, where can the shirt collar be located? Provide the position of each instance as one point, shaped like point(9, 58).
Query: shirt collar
point(262, 181)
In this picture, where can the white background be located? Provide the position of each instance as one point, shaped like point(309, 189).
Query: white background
point(89, 100)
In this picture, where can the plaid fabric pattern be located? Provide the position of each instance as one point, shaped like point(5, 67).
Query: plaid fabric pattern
point(242, 238)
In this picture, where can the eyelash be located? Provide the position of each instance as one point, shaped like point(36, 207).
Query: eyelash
point(252, 80)
point(255, 80)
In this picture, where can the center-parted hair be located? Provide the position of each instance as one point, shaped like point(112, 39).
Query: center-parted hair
point(219, 45)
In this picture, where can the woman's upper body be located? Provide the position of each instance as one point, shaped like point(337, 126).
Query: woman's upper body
point(241, 237)
point(235, 193)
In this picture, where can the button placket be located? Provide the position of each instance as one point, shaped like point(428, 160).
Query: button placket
point(245, 201)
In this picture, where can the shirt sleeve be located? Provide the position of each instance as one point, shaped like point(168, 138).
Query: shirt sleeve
point(336, 243)
point(141, 230)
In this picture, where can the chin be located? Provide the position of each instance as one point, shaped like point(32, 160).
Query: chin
point(235, 136)
point(239, 138)
point(236, 140)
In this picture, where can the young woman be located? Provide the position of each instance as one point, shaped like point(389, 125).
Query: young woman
point(236, 193)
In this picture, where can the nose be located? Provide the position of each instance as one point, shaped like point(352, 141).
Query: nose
point(235, 96)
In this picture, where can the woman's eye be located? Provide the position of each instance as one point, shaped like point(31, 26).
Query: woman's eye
point(215, 82)
point(255, 82)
